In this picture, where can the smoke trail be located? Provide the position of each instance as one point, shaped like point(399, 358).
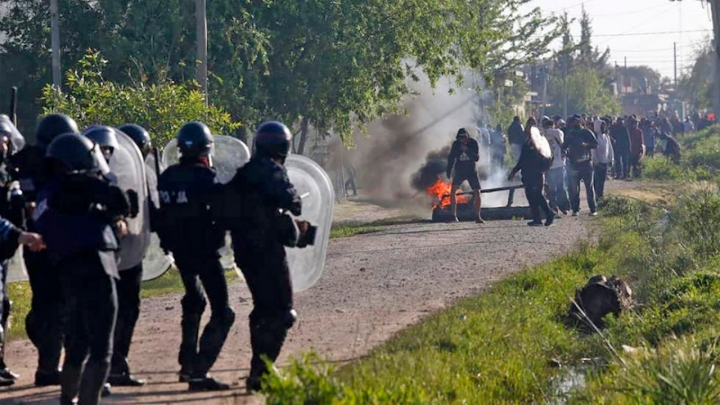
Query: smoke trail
point(404, 155)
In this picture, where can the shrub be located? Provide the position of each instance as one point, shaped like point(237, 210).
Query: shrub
point(162, 108)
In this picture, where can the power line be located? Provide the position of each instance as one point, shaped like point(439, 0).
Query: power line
point(650, 33)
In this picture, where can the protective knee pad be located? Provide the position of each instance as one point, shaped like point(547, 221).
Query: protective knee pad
point(193, 304)
point(222, 322)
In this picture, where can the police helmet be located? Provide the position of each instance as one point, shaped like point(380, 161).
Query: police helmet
point(53, 126)
point(103, 136)
point(195, 140)
point(75, 153)
point(272, 139)
point(139, 135)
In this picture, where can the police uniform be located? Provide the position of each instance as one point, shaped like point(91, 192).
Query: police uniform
point(44, 322)
point(188, 227)
point(127, 286)
point(76, 214)
point(256, 200)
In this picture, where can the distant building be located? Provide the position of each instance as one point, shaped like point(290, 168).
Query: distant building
point(642, 104)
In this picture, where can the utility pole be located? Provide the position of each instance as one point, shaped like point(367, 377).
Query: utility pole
point(201, 27)
point(675, 62)
point(715, 6)
point(55, 44)
point(565, 89)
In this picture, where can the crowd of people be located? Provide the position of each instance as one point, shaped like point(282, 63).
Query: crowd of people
point(73, 216)
point(585, 151)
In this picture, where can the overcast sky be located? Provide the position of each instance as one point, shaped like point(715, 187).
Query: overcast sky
point(660, 23)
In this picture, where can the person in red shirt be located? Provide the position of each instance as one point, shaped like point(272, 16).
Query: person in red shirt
point(637, 147)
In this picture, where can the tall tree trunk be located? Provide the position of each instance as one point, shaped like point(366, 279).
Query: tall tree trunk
point(304, 133)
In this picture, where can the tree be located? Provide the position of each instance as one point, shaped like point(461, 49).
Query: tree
point(696, 84)
point(321, 63)
point(162, 108)
point(586, 94)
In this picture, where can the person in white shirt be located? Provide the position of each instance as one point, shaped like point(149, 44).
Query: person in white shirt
point(557, 187)
point(597, 123)
point(603, 157)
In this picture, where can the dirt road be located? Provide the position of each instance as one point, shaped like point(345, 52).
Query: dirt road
point(374, 286)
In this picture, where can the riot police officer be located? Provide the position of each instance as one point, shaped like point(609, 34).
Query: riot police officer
point(104, 137)
point(12, 211)
point(258, 198)
point(140, 136)
point(44, 321)
point(188, 228)
point(81, 217)
point(128, 285)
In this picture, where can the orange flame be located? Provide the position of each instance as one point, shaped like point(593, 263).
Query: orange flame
point(441, 191)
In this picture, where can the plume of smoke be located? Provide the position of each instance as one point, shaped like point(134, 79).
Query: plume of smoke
point(397, 145)
point(404, 155)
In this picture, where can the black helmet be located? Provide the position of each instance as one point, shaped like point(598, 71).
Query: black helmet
point(139, 135)
point(462, 133)
point(103, 136)
point(272, 139)
point(74, 153)
point(53, 126)
point(195, 140)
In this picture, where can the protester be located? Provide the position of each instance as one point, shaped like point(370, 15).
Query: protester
point(603, 158)
point(637, 148)
point(579, 142)
point(620, 137)
point(557, 186)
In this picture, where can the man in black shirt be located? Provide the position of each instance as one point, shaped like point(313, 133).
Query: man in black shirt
point(464, 154)
point(578, 145)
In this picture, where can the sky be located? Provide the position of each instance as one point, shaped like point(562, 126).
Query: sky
point(641, 30)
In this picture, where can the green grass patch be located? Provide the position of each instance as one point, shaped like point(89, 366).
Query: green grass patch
point(511, 344)
point(347, 229)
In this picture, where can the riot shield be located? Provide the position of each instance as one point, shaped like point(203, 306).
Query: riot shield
point(16, 267)
point(227, 156)
point(17, 141)
point(128, 169)
point(155, 263)
point(315, 187)
point(540, 143)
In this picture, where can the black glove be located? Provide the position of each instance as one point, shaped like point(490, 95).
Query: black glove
point(134, 200)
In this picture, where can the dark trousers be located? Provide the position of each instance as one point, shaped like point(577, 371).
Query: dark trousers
point(4, 310)
point(600, 176)
point(350, 183)
point(635, 165)
point(199, 353)
point(128, 294)
point(44, 322)
point(536, 199)
point(622, 165)
point(268, 278)
point(91, 300)
point(557, 189)
point(582, 172)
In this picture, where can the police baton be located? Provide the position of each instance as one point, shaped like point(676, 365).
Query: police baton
point(13, 105)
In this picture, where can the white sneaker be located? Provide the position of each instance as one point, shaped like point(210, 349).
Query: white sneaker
point(593, 214)
point(575, 213)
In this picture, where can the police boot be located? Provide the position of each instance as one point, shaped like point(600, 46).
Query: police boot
point(212, 340)
point(70, 383)
point(206, 383)
point(92, 383)
point(120, 374)
point(267, 337)
point(187, 357)
point(5, 373)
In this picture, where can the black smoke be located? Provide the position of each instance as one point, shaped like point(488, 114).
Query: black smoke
point(433, 168)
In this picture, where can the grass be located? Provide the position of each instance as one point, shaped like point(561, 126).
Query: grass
point(511, 344)
point(348, 229)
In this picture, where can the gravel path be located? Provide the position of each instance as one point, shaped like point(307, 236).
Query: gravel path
point(374, 286)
